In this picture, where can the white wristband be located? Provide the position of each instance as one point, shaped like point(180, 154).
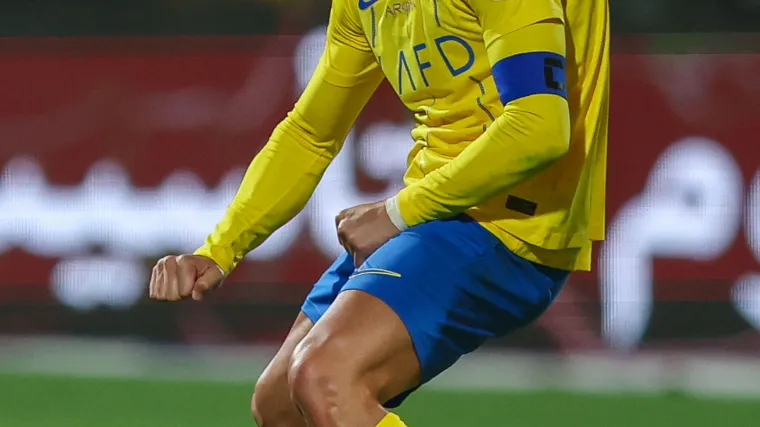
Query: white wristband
point(391, 206)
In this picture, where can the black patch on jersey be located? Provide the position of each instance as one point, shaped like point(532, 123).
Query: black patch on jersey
point(550, 79)
point(523, 206)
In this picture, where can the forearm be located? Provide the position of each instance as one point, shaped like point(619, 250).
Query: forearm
point(517, 146)
point(532, 132)
point(282, 177)
point(276, 186)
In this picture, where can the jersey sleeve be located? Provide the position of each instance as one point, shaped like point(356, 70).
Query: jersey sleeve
point(284, 174)
point(501, 17)
point(525, 41)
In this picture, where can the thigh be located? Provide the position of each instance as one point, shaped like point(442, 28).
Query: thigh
point(272, 394)
point(364, 341)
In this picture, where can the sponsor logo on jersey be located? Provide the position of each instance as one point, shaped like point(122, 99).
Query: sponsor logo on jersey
point(362, 271)
point(366, 4)
point(397, 8)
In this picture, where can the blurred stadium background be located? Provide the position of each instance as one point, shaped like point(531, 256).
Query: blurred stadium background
point(125, 128)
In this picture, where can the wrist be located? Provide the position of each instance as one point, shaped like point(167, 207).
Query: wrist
point(392, 209)
point(223, 260)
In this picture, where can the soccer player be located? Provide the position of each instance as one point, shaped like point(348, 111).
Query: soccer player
point(504, 195)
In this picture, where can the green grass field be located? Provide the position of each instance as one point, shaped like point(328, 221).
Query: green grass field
point(50, 401)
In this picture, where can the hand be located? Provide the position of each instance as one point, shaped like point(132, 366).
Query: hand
point(364, 228)
point(177, 277)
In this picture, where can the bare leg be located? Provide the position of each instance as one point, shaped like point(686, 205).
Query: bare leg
point(358, 356)
point(271, 404)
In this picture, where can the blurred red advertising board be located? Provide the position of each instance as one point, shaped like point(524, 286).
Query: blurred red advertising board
point(116, 151)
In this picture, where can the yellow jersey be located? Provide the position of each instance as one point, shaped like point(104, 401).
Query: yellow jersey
point(511, 104)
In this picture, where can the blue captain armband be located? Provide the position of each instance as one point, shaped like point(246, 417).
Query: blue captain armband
point(530, 73)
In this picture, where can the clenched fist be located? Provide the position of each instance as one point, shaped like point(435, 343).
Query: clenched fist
point(177, 277)
point(364, 228)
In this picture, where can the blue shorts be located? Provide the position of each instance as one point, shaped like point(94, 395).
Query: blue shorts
point(457, 285)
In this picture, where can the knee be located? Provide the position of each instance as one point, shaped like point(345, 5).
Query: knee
point(267, 404)
point(259, 406)
point(306, 375)
point(319, 379)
